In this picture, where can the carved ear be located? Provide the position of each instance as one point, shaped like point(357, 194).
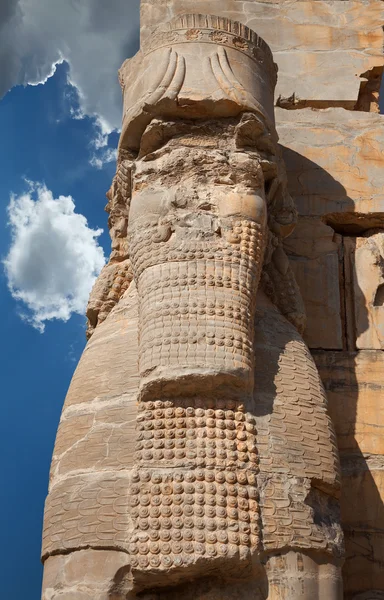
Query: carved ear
point(154, 137)
point(249, 131)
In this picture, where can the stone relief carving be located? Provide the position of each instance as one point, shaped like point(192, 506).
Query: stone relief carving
point(235, 472)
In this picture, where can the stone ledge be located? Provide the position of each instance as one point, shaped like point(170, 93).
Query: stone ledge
point(334, 159)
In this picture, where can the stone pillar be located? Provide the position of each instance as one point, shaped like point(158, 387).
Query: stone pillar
point(195, 456)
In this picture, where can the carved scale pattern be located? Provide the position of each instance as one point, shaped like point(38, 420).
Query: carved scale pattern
point(87, 511)
point(296, 442)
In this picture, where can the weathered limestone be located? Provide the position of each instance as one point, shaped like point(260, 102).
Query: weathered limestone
point(354, 384)
point(327, 51)
point(334, 161)
point(315, 252)
point(195, 456)
point(231, 477)
point(364, 258)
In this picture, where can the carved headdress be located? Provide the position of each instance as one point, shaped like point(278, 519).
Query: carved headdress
point(200, 68)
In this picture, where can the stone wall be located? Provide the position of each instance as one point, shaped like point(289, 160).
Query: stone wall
point(330, 60)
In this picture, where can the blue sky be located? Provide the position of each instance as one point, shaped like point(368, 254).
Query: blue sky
point(62, 137)
point(44, 144)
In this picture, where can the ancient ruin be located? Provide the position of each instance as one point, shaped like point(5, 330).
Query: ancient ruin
point(195, 456)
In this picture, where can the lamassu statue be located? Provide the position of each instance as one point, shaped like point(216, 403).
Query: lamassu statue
point(227, 486)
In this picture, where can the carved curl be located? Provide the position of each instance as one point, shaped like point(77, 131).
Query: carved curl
point(278, 280)
point(116, 276)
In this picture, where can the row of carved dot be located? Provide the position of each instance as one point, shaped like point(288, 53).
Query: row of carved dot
point(193, 308)
point(155, 329)
point(178, 547)
point(177, 535)
point(147, 442)
point(162, 314)
point(215, 303)
point(178, 560)
point(242, 521)
point(191, 435)
point(214, 518)
point(189, 503)
point(170, 412)
point(229, 348)
point(228, 439)
point(159, 409)
point(189, 511)
point(202, 458)
point(146, 422)
point(218, 525)
point(227, 487)
point(197, 301)
point(210, 476)
point(216, 430)
point(197, 429)
point(205, 437)
point(176, 449)
point(201, 339)
point(161, 354)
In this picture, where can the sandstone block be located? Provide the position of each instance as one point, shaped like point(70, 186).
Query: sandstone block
point(334, 160)
point(314, 249)
point(354, 383)
point(322, 48)
point(83, 575)
point(363, 524)
point(364, 262)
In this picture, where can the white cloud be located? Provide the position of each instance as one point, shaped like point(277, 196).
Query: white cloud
point(54, 257)
point(104, 156)
point(94, 36)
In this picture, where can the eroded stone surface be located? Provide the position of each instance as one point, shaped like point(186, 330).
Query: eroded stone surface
point(334, 161)
point(364, 259)
point(195, 443)
point(354, 384)
point(322, 48)
point(315, 252)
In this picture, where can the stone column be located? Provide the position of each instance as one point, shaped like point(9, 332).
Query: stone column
point(228, 488)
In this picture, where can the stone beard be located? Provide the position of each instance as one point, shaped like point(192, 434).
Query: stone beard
point(229, 487)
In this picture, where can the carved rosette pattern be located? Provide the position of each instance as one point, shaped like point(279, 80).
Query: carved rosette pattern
point(184, 515)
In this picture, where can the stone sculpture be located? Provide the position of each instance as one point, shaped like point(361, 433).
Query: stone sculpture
point(227, 484)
